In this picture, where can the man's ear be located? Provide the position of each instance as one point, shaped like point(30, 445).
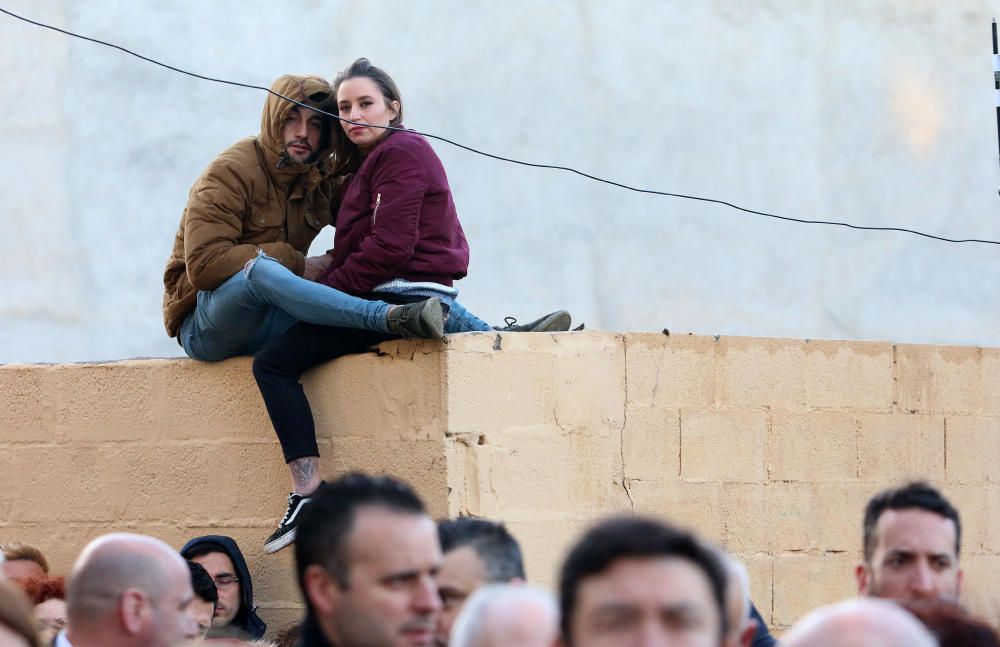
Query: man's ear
point(958, 585)
point(131, 609)
point(863, 575)
point(322, 590)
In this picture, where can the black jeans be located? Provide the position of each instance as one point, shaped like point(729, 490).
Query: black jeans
point(279, 365)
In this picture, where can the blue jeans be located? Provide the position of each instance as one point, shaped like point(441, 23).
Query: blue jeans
point(461, 320)
point(260, 303)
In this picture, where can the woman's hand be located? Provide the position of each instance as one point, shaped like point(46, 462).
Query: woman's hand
point(316, 266)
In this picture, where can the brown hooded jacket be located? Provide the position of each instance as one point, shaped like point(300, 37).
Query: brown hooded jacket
point(253, 197)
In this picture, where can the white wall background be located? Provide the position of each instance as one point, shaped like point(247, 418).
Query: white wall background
point(875, 112)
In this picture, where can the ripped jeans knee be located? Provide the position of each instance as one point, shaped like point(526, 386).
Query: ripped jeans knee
point(249, 265)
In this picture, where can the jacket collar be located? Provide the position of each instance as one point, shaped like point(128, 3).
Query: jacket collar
point(311, 635)
point(294, 177)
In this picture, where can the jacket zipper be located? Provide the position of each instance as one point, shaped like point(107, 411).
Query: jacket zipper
point(378, 201)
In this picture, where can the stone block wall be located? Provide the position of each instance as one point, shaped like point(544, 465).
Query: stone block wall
point(770, 447)
point(177, 448)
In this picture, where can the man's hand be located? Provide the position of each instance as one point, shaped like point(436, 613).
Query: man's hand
point(316, 267)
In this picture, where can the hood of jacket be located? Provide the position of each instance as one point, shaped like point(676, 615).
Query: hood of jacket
point(312, 91)
point(247, 618)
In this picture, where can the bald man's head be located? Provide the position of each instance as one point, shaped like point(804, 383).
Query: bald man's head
point(507, 614)
point(868, 622)
point(130, 585)
point(111, 564)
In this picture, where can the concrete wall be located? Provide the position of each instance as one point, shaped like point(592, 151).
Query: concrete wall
point(769, 446)
point(875, 111)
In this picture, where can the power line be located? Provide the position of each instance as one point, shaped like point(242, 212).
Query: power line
point(501, 158)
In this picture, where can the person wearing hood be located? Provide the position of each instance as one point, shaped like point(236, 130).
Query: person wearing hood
point(235, 615)
point(238, 275)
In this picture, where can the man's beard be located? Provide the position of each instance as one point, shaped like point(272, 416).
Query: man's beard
point(310, 158)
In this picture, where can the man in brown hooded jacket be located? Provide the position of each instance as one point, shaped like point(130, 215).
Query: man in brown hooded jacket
point(234, 280)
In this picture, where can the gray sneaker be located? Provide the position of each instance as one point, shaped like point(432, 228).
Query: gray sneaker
point(424, 319)
point(558, 321)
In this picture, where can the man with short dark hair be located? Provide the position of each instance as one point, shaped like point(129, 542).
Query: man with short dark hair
point(205, 597)
point(235, 613)
point(476, 552)
point(630, 579)
point(912, 539)
point(128, 590)
point(366, 555)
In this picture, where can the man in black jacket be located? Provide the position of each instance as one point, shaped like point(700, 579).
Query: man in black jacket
point(235, 614)
point(366, 554)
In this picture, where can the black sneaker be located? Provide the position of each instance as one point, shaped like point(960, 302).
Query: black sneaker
point(285, 534)
point(424, 319)
point(558, 321)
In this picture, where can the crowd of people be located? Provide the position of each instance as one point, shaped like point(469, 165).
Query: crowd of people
point(374, 570)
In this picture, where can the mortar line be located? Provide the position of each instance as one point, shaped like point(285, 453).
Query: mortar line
point(894, 407)
point(944, 424)
point(680, 443)
point(621, 433)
